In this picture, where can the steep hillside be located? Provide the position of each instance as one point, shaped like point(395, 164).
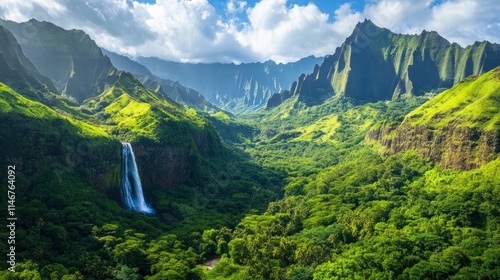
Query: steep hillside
point(375, 64)
point(17, 71)
point(459, 128)
point(171, 137)
point(33, 134)
point(165, 87)
point(236, 88)
point(70, 58)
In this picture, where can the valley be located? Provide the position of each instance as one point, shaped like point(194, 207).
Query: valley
point(379, 162)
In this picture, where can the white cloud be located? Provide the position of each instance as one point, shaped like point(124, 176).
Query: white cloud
point(283, 33)
point(460, 21)
point(25, 10)
point(233, 6)
point(194, 30)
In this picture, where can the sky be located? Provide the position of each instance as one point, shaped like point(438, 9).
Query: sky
point(253, 30)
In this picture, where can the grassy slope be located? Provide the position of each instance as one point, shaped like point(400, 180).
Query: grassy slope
point(14, 103)
point(473, 103)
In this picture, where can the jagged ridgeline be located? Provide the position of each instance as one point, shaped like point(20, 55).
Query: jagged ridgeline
point(375, 64)
point(237, 88)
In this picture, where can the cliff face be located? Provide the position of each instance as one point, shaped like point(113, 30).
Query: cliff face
point(460, 148)
point(375, 64)
point(70, 58)
point(167, 166)
point(161, 166)
point(458, 129)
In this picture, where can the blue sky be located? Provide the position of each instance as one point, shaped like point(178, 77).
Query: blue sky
point(253, 30)
point(327, 6)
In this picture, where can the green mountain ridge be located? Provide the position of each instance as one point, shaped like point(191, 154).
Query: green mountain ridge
point(167, 88)
point(70, 58)
point(459, 128)
point(375, 64)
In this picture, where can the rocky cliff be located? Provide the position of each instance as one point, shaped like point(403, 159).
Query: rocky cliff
point(375, 64)
point(458, 129)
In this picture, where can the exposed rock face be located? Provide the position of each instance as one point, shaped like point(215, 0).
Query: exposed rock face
point(375, 64)
point(458, 129)
point(166, 166)
point(70, 58)
point(451, 147)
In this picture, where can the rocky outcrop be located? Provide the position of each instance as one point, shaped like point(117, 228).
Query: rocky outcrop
point(375, 64)
point(451, 147)
point(457, 129)
point(162, 166)
point(166, 166)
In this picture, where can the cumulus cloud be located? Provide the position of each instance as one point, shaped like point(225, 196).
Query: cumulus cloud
point(233, 6)
point(282, 33)
point(460, 21)
point(236, 31)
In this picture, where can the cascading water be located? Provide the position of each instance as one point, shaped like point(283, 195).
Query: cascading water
point(131, 187)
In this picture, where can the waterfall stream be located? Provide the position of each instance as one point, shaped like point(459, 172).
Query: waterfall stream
point(131, 187)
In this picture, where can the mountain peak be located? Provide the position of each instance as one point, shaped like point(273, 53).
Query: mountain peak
point(70, 58)
point(366, 24)
point(376, 64)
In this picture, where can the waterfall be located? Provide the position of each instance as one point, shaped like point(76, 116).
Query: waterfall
point(131, 187)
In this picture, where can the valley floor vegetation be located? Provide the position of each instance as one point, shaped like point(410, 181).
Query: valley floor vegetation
point(305, 195)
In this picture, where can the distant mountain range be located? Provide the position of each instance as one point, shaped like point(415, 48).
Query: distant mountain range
point(236, 88)
point(376, 64)
point(168, 88)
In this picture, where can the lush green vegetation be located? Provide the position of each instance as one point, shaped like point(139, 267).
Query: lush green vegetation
point(347, 211)
point(376, 218)
point(294, 192)
point(472, 103)
point(68, 177)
